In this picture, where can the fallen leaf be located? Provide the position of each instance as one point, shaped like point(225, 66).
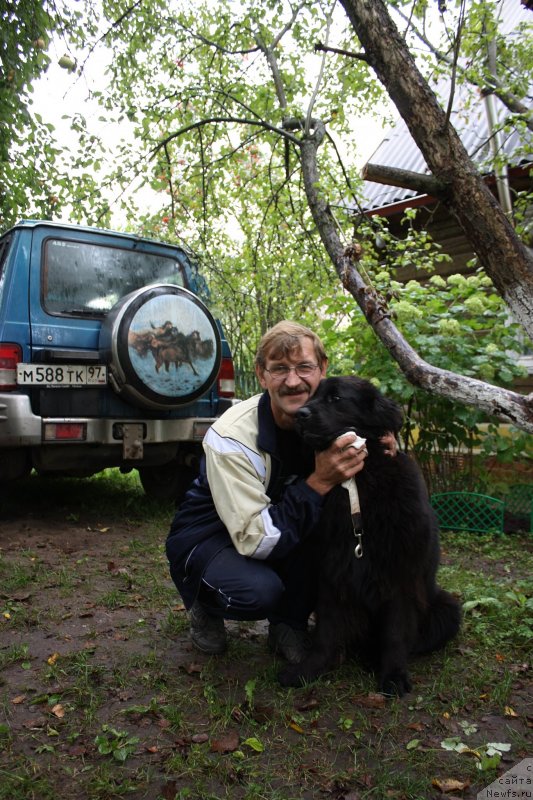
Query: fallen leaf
point(237, 714)
point(450, 784)
point(169, 790)
point(370, 700)
point(77, 750)
point(19, 596)
point(294, 725)
point(18, 699)
point(152, 748)
point(497, 747)
point(51, 660)
point(34, 724)
point(199, 738)
point(58, 711)
point(227, 743)
point(103, 530)
point(416, 726)
point(510, 712)
point(182, 744)
point(192, 668)
point(308, 704)
point(413, 744)
point(254, 744)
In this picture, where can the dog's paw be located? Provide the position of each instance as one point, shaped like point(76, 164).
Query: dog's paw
point(395, 684)
point(291, 676)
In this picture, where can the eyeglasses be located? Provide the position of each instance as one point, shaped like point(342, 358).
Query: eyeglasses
point(281, 371)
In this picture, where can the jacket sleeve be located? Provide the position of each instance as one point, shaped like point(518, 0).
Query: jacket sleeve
point(258, 528)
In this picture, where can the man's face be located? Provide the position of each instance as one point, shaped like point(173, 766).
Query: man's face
point(290, 392)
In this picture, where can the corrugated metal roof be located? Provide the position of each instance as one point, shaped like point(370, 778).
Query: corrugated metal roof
point(469, 117)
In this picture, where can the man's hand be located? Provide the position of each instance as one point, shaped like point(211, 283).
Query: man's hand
point(391, 445)
point(340, 462)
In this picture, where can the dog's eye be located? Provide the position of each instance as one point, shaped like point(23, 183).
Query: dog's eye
point(333, 398)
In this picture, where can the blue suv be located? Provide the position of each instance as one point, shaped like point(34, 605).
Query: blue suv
point(109, 356)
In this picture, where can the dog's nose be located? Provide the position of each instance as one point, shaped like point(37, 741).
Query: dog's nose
point(303, 412)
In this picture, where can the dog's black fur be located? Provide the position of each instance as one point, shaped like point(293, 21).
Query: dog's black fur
point(386, 605)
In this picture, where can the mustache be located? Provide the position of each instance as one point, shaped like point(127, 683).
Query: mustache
point(286, 391)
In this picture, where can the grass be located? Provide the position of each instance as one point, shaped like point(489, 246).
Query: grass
point(102, 697)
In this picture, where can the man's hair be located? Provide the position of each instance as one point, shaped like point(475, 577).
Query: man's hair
point(284, 339)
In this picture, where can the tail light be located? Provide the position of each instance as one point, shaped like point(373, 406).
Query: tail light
point(65, 431)
point(10, 356)
point(226, 378)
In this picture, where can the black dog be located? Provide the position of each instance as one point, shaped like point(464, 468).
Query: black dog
point(381, 603)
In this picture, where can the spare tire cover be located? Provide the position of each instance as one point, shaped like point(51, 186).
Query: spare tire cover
point(162, 346)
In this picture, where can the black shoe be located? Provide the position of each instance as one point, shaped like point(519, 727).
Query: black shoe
point(287, 642)
point(208, 633)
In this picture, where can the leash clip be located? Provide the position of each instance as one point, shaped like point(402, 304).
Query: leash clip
point(358, 549)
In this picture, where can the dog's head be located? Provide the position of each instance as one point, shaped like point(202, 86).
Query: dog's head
point(343, 404)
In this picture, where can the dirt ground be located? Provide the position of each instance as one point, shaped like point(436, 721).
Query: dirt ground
point(93, 637)
point(94, 581)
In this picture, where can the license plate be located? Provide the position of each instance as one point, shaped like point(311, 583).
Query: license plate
point(61, 375)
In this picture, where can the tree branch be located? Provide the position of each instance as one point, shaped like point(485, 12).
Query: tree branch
point(214, 120)
point(405, 179)
point(490, 83)
point(268, 52)
point(321, 48)
point(320, 75)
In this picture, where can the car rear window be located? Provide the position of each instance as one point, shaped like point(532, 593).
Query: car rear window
point(89, 279)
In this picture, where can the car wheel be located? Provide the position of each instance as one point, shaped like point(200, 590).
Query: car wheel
point(162, 346)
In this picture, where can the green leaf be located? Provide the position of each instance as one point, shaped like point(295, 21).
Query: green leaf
point(254, 744)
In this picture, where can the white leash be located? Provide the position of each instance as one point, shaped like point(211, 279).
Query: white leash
point(355, 511)
point(355, 506)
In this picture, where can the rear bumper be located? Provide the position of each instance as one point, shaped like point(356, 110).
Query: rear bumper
point(20, 427)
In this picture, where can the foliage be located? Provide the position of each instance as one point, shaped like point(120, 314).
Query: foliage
point(118, 744)
point(208, 94)
point(227, 176)
point(29, 177)
point(201, 97)
point(457, 323)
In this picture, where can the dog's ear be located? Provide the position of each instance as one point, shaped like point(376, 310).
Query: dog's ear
point(388, 414)
point(380, 413)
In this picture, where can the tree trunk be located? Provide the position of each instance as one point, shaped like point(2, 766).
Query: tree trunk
point(505, 258)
